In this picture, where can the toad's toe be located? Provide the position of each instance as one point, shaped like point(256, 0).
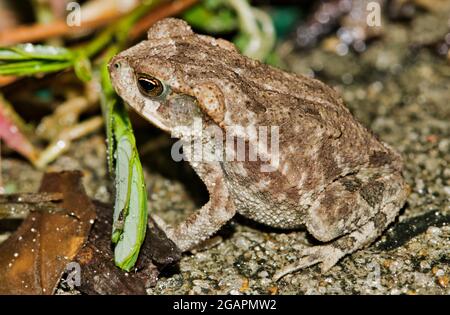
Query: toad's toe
point(327, 255)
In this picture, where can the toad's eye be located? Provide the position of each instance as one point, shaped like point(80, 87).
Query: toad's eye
point(149, 86)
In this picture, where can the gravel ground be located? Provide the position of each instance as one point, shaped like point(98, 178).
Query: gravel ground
point(397, 88)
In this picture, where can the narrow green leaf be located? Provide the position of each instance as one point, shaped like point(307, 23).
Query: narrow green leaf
point(124, 155)
point(108, 103)
point(43, 52)
point(128, 246)
point(22, 64)
point(83, 68)
point(8, 54)
point(26, 68)
point(130, 209)
point(220, 21)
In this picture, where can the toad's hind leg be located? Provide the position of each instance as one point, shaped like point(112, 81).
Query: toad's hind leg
point(350, 214)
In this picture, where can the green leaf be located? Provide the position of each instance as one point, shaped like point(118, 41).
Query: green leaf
point(26, 68)
point(83, 68)
point(108, 103)
point(123, 186)
point(241, 41)
point(130, 208)
point(43, 52)
point(29, 59)
point(8, 54)
point(219, 21)
point(135, 225)
point(124, 158)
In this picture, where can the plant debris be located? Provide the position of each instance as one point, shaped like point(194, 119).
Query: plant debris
point(14, 132)
point(36, 255)
point(19, 205)
point(405, 231)
point(99, 275)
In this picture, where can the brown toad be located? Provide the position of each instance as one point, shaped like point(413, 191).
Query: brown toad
point(326, 171)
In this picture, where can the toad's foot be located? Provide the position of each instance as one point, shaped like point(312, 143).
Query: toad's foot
point(171, 234)
point(327, 255)
point(206, 221)
point(166, 228)
point(331, 253)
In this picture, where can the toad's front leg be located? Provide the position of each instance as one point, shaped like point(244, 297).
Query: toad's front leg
point(206, 221)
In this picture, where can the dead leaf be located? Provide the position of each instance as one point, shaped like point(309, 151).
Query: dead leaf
point(33, 259)
point(99, 275)
point(31, 197)
point(19, 205)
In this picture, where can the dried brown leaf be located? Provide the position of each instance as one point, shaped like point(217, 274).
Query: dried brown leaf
point(99, 275)
point(33, 259)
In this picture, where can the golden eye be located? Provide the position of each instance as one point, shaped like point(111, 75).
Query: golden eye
point(149, 86)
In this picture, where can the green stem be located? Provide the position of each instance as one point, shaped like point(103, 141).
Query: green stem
point(96, 45)
point(33, 68)
point(118, 31)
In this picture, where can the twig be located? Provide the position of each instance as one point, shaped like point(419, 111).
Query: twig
point(38, 32)
point(63, 140)
point(31, 197)
point(7, 80)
